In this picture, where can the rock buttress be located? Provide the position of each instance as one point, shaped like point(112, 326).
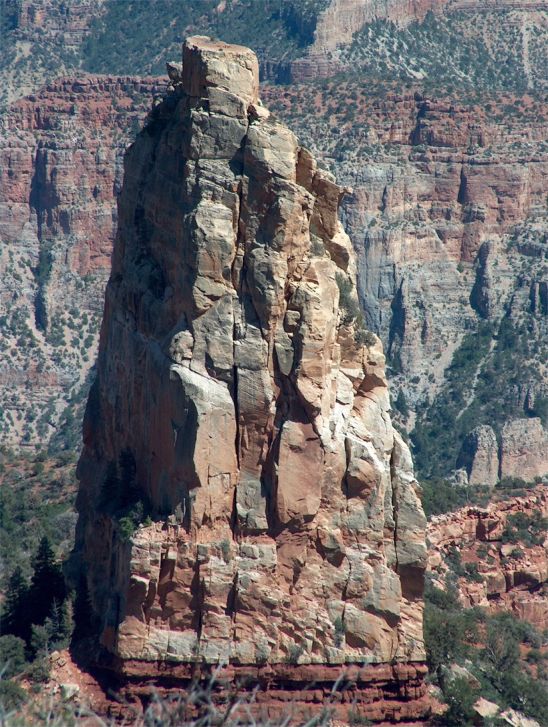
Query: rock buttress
point(238, 417)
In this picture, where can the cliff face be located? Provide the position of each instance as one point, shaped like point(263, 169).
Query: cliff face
point(242, 408)
point(441, 186)
point(60, 170)
point(41, 40)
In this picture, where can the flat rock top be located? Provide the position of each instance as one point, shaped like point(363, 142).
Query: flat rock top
point(204, 43)
point(209, 63)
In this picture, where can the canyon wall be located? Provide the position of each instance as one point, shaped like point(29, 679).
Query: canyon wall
point(60, 170)
point(445, 215)
point(244, 498)
point(40, 40)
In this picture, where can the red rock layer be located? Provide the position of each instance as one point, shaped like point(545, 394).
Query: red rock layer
point(60, 162)
point(382, 693)
point(60, 169)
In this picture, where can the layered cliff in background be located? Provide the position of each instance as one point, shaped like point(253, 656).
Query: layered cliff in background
point(453, 43)
point(60, 169)
point(244, 498)
point(41, 40)
point(447, 217)
point(446, 214)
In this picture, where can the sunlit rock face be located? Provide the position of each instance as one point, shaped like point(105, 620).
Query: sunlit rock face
point(240, 416)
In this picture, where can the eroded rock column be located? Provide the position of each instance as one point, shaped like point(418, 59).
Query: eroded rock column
point(240, 424)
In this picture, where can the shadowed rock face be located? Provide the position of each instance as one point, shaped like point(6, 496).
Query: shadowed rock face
point(236, 406)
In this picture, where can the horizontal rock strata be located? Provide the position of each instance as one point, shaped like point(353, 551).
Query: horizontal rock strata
point(382, 693)
point(61, 153)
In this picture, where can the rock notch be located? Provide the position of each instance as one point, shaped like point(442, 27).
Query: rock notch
point(244, 499)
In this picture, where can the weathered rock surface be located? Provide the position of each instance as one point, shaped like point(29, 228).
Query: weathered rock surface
point(522, 453)
point(524, 449)
point(440, 186)
point(247, 420)
point(447, 218)
point(480, 456)
point(512, 569)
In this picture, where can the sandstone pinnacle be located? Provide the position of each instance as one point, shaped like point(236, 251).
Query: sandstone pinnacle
point(244, 498)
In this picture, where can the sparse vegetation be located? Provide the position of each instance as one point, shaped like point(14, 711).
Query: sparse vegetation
point(126, 37)
point(439, 496)
point(458, 50)
point(489, 648)
point(529, 529)
point(348, 300)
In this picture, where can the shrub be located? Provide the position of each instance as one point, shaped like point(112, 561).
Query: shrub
point(471, 573)
point(512, 483)
point(126, 528)
point(355, 718)
point(39, 671)
point(347, 300)
point(460, 697)
point(528, 529)
point(12, 696)
point(440, 495)
point(444, 636)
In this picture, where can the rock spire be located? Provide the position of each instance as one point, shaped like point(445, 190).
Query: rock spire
point(244, 498)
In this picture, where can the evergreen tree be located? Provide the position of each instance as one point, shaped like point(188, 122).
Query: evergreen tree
point(40, 640)
point(47, 583)
point(401, 404)
point(15, 616)
point(59, 625)
point(12, 656)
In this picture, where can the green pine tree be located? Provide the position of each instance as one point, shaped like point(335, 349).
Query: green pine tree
point(82, 612)
point(15, 618)
point(47, 583)
point(110, 489)
point(12, 656)
point(59, 625)
point(401, 404)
